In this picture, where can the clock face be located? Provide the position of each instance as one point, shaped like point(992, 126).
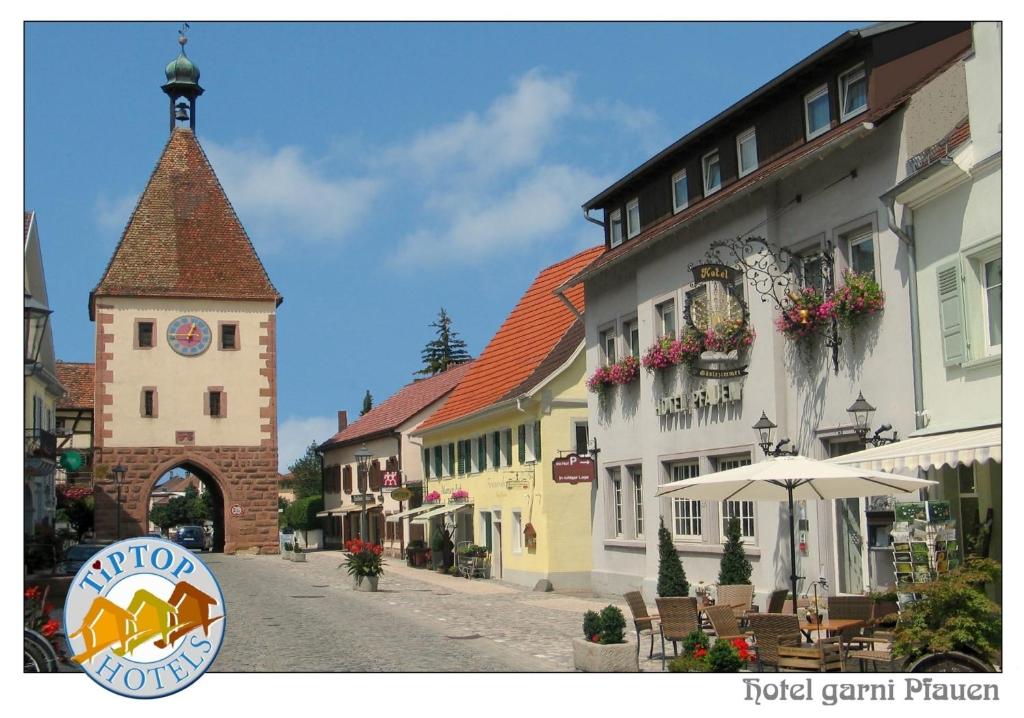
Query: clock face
point(189, 335)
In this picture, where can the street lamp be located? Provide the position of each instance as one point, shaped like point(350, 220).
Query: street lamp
point(364, 456)
point(37, 315)
point(860, 411)
point(117, 474)
point(764, 427)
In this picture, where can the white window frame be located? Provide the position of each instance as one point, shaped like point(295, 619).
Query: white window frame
point(678, 206)
point(506, 446)
point(530, 452)
point(683, 509)
point(603, 335)
point(660, 311)
point(723, 463)
point(575, 424)
point(615, 218)
point(808, 99)
point(750, 134)
point(446, 465)
point(636, 480)
point(517, 531)
point(978, 261)
point(845, 80)
point(615, 486)
point(856, 238)
point(628, 325)
point(632, 229)
point(704, 170)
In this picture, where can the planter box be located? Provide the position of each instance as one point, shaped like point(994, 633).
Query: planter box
point(286, 555)
point(300, 557)
point(599, 658)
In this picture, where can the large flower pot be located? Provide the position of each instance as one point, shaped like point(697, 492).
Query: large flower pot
point(300, 557)
point(365, 583)
point(600, 658)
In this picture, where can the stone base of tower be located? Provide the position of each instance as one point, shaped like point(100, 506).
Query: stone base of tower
point(245, 476)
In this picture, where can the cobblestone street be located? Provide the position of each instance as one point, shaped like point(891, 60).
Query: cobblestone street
point(285, 616)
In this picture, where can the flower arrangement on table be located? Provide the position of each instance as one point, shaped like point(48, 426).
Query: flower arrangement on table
point(433, 497)
point(37, 617)
point(669, 351)
point(729, 335)
point(460, 495)
point(808, 312)
point(620, 373)
point(725, 656)
point(363, 558)
point(858, 298)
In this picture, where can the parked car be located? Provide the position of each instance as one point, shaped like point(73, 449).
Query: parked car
point(191, 537)
point(76, 556)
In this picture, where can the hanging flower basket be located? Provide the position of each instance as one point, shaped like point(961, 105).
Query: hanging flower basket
point(729, 335)
point(434, 497)
point(858, 298)
point(460, 496)
point(626, 371)
point(807, 314)
point(669, 351)
point(599, 380)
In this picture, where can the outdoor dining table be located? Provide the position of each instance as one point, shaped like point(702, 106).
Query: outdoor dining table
point(829, 627)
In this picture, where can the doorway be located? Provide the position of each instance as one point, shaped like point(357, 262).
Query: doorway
point(496, 549)
point(850, 530)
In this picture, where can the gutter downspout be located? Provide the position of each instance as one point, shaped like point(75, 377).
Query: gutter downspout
point(560, 293)
point(889, 200)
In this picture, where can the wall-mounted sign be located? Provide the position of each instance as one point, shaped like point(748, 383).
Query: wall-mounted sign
point(712, 393)
point(237, 510)
point(184, 438)
point(391, 479)
point(716, 310)
point(402, 494)
point(362, 498)
point(573, 469)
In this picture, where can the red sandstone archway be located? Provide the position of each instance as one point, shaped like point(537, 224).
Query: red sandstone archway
point(212, 482)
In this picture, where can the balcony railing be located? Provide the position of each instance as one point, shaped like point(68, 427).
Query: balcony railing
point(40, 444)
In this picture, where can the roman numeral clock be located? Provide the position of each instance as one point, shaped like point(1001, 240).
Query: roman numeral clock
point(189, 335)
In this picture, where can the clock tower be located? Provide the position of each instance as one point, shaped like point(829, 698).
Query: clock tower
point(186, 349)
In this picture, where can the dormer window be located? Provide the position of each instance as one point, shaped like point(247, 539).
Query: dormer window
point(680, 191)
point(712, 173)
point(746, 152)
point(853, 92)
point(633, 218)
point(615, 227)
point(816, 112)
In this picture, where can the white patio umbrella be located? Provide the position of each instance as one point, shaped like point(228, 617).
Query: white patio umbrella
point(786, 478)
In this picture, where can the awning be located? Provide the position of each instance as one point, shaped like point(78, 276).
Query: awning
point(931, 452)
point(409, 512)
point(321, 514)
point(446, 509)
point(339, 510)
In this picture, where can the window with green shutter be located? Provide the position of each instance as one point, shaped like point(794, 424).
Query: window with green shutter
point(951, 314)
point(508, 446)
point(481, 452)
point(522, 443)
point(462, 456)
point(536, 440)
point(451, 458)
point(496, 449)
point(438, 461)
point(426, 463)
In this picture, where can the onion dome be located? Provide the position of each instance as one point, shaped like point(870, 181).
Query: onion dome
point(182, 74)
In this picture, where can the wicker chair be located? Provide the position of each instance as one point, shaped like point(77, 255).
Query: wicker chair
point(859, 607)
point(739, 596)
point(724, 623)
point(677, 618)
point(771, 630)
point(777, 600)
point(642, 620)
point(823, 656)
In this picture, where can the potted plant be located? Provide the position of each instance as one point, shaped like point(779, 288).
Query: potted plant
point(297, 553)
point(807, 313)
point(722, 657)
point(859, 297)
point(460, 496)
point(603, 649)
point(287, 551)
point(363, 563)
point(416, 553)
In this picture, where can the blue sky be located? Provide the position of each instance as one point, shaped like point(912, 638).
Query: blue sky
point(382, 170)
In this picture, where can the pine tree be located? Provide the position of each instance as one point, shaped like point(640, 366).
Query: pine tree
point(305, 473)
point(671, 577)
point(367, 403)
point(735, 568)
point(445, 351)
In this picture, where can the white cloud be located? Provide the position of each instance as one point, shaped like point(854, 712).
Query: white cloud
point(295, 434)
point(112, 214)
point(281, 193)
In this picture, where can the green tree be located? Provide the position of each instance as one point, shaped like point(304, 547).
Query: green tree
point(302, 514)
point(446, 350)
point(306, 474)
point(671, 577)
point(161, 517)
point(734, 568)
point(187, 510)
point(367, 403)
point(282, 511)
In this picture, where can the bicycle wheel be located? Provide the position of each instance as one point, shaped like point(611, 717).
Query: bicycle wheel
point(39, 658)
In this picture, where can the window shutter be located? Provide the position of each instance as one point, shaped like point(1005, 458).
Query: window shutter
point(522, 443)
point(375, 476)
point(426, 463)
point(496, 449)
point(437, 462)
point(481, 452)
point(347, 480)
point(462, 456)
point(508, 447)
point(536, 440)
point(451, 459)
point(951, 314)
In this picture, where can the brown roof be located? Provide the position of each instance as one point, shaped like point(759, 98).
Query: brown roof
point(401, 406)
point(184, 239)
point(179, 483)
point(78, 378)
point(28, 222)
point(534, 340)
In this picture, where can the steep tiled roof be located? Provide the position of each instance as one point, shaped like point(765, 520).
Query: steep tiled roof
point(184, 239)
point(28, 223)
point(533, 331)
point(401, 406)
point(78, 378)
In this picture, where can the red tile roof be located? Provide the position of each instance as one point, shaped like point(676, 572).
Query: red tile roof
point(400, 406)
point(184, 239)
point(534, 329)
point(78, 378)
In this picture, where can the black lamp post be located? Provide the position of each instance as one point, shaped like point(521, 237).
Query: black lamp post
point(363, 456)
point(37, 315)
point(861, 412)
point(117, 474)
point(764, 428)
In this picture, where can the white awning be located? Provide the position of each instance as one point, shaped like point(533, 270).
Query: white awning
point(446, 509)
point(409, 512)
point(321, 514)
point(931, 452)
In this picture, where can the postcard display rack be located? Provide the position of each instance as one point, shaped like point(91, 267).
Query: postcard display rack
point(924, 545)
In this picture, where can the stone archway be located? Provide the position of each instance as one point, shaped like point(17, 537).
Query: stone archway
point(211, 483)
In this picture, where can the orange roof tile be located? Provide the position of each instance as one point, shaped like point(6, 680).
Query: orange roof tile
point(184, 239)
point(534, 329)
point(78, 378)
point(400, 406)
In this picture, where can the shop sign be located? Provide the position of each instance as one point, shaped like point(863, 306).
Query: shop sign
point(391, 479)
point(715, 309)
point(573, 469)
point(402, 494)
point(362, 498)
point(712, 393)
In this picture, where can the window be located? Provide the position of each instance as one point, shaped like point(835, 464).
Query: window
point(449, 464)
point(811, 274)
point(481, 452)
point(615, 227)
point(607, 338)
point(712, 173)
point(438, 462)
point(746, 152)
point(853, 92)
point(687, 517)
point(144, 334)
point(216, 403)
point(680, 191)
point(636, 474)
point(862, 250)
point(992, 303)
point(495, 449)
point(616, 484)
point(631, 333)
point(970, 508)
point(149, 402)
point(229, 336)
point(667, 318)
point(742, 510)
point(816, 112)
point(633, 218)
point(426, 463)
point(506, 447)
point(474, 455)
point(529, 439)
point(517, 532)
point(581, 434)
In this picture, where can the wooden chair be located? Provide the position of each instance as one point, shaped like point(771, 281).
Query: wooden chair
point(642, 620)
point(824, 656)
point(859, 607)
point(777, 600)
point(677, 618)
point(770, 630)
point(724, 623)
point(739, 596)
point(873, 649)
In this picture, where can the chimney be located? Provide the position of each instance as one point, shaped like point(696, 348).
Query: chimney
point(342, 420)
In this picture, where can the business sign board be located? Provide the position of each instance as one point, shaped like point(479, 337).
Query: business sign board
point(573, 469)
point(391, 479)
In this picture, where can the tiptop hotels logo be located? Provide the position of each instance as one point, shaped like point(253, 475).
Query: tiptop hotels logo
point(144, 617)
